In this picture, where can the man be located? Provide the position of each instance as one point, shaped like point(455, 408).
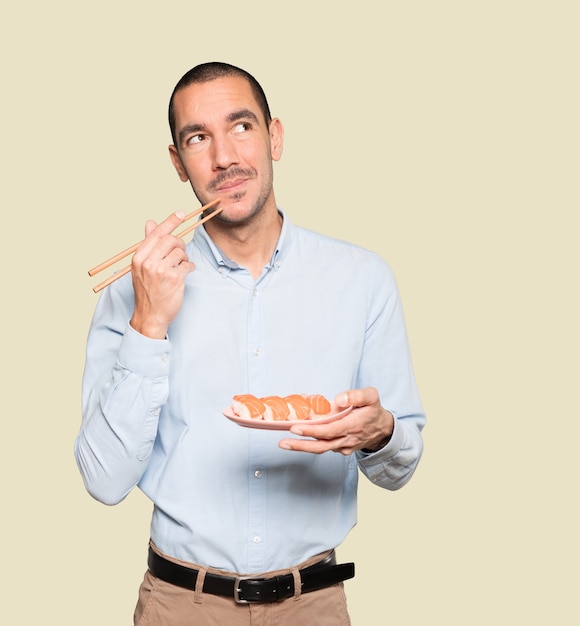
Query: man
point(245, 521)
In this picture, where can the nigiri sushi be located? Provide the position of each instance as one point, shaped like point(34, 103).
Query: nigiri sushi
point(319, 405)
point(299, 407)
point(248, 406)
point(277, 409)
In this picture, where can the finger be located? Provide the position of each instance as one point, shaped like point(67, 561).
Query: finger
point(166, 227)
point(316, 446)
point(177, 257)
point(164, 258)
point(357, 397)
point(168, 245)
point(150, 226)
point(169, 224)
point(338, 428)
point(342, 400)
point(156, 248)
point(155, 232)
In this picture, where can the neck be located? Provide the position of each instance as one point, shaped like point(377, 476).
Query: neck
point(251, 244)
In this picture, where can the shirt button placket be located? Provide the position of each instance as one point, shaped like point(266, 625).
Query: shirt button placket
point(258, 449)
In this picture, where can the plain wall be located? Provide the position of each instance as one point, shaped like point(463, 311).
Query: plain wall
point(443, 135)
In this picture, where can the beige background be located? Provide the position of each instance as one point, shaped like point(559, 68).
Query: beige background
point(444, 135)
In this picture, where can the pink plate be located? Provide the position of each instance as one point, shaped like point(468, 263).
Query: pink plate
point(286, 424)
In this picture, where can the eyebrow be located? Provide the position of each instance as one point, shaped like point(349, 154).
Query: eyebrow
point(241, 114)
point(188, 129)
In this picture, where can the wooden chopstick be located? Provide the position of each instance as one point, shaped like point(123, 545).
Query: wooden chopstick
point(112, 279)
point(105, 264)
point(133, 248)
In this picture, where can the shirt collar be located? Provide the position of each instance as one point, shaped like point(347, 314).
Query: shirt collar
point(222, 263)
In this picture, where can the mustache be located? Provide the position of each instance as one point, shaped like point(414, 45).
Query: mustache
point(233, 172)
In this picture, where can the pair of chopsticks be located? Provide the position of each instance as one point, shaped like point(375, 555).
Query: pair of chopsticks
point(105, 264)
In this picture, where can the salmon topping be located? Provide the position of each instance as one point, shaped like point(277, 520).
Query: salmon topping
point(275, 408)
point(319, 404)
point(299, 406)
point(247, 405)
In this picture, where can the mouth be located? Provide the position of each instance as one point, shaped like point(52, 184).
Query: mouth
point(232, 180)
point(232, 185)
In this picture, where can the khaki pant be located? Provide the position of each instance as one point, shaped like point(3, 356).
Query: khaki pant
point(163, 604)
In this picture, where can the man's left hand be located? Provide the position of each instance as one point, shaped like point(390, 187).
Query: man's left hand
point(368, 426)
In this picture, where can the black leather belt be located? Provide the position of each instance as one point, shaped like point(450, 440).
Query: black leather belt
point(244, 589)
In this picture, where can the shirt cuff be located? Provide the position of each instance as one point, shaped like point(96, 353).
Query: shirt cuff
point(389, 450)
point(143, 355)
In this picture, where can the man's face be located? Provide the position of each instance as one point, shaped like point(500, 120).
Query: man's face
point(224, 147)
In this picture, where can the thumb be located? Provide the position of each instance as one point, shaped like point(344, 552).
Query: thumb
point(342, 400)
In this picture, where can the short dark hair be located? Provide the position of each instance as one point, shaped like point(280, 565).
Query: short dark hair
point(206, 72)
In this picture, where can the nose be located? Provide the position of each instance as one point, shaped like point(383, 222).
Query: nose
point(224, 152)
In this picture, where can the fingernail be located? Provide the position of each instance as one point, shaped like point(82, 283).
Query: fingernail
point(285, 446)
point(296, 430)
point(180, 214)
point(342, 399)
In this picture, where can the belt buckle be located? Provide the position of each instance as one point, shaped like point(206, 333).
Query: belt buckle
point(237, 590)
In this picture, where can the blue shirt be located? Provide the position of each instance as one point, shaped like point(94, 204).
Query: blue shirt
point(323, 317)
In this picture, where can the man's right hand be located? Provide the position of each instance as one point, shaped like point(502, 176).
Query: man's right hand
point(159, 269)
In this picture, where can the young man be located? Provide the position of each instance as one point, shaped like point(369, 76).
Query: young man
point(245, 521)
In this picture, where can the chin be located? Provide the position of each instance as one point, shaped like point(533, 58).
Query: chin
point(237, 210)
point(236, 217)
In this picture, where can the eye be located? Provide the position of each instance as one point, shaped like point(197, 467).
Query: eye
point(242, 127)
point(195, 139)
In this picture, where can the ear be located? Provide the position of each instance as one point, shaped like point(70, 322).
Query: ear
point(177, 164)
point(276, 139)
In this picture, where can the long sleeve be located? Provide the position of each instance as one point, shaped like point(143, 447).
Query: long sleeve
point(125, 384)
point(386, 364)
point(392, 466)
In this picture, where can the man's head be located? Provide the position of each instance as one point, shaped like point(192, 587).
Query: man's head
point(206, 72)
point(225, 140)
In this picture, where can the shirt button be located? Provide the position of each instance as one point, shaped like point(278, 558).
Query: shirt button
point(255, 293)
point(165, 358)
point(257, 539)
point(258, 474)
point(257, 352)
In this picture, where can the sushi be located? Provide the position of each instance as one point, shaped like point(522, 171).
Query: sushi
point(277, 408)
point(299, 407)
point(248, 406)
point(319, 405)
